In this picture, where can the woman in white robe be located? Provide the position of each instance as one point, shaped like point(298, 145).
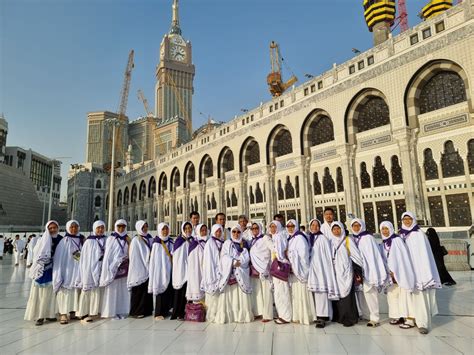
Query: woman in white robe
point(423, 301)
point(195, 256)
point(397, 259)
point(302, 301)
point(90, 264)
point(141, 302)
point(211, 273)
point(321, 278)
point(180, 270)
point(375, 274)
point(160, 284)
point(347, 263)
point(42, 301)
point(235, 303)
point(66, 272)
point(260, 260)
point(113, 277)
point(31, 245)
point(282, 293)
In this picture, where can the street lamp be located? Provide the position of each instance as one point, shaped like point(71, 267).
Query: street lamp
point(43, 189)
point(114, 122)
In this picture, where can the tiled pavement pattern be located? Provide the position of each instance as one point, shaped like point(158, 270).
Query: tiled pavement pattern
point(452, 333)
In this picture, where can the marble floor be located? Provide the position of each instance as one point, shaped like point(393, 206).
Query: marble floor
point(452, 333)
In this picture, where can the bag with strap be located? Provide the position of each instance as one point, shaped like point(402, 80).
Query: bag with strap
point(280, 270)
point(195, 312)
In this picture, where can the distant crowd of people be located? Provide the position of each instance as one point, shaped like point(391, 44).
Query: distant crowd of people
point(279, 273)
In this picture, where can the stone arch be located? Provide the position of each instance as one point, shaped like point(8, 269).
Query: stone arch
point(142, 191)
point(422, 77)
point(206, 169)
point(189, 174)
point(126, 196)
point(380, 173)
point(368, 109)
point(119, 198)
point(97, 201)
point(429, 165)
point(98, 184)
point(470, 156)
point(279, 143)
point(174, 179)
point(225, 162)
point(317, 129)
point(162, 183)
point(452, 163)
point(249, 153)
point(152, 187)
point(134, 193)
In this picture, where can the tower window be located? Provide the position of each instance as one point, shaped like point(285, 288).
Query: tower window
point(352, 69)
point(414, 39)
point(306, 92)
point(313, 88)
point(370, 60)
point(426, 33)
point(320, 84)
point(361, 65)
point(439, 26)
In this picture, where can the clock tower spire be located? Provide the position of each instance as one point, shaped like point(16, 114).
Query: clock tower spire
point(174, 88)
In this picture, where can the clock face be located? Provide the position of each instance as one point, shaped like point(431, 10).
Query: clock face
point(178, 53)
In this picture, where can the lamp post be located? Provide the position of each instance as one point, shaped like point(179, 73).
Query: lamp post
point(43, 189)
point(114, 122)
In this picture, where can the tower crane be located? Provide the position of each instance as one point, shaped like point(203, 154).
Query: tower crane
point(143, 99)
point(275, 80)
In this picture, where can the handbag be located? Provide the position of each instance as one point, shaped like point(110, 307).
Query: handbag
point(122, 269)
point(280, 270)
point(195, 312)
point(253, 272)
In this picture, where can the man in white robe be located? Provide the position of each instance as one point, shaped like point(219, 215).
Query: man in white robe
point(328, 216)
point(31, 245)
point(18, 247)
point(2, 245)
point(423, 300)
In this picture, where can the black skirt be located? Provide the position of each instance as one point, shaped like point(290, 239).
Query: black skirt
point(141, 302)
point(164, 302)
point(179, 303)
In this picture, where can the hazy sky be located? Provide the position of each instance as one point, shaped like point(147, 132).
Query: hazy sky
point(60, 59)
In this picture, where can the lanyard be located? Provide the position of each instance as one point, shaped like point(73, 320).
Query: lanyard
point(122, 246)
point(163, 244)
point(339, 245)
point(146, 241)
point(78, 245)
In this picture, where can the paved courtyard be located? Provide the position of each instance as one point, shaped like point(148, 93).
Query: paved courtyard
point(453, 330)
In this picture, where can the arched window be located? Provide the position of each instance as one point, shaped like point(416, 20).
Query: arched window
point(470, 156)
point(196, 206)
point(97, 201)
point(119, 198)
point(98, 184)
point(142, 193)
point(444, 89)
point(251, 196)
point(207, 169)
point(451, 161)
point(152, 187)
point(134, 194)
point(316, 185)
point(364, 176)
point(320, 131)
point(213, 202)
point(175, 179)
point(209, 201)
point(258, 194)
point(397, 176)
point(297, 186)
point(289, 190)
point(429, 165)
point(226, 162)
point(249, 153)
point(328, 182)
point(227, 198)
point(126, 196)
point(379, 173)
point(373, 113)
point(281, 194)
point(163, 184)
point(189, 174)
point(234, 198)
point(339, 181)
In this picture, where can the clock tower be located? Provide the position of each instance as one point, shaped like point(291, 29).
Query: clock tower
point(174, 84)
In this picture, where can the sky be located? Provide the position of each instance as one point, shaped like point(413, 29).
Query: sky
point(60, 59)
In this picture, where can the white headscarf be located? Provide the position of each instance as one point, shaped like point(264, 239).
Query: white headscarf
point(280, 241)
point(70, 223)
point(216, 227)
point(139, 228)
point(42, 252)
point(295, 223)
point(260, 229)
point(278, 226)
point(391, 229)
point(118, 223)
point(238, 240)
point(197, 231)
point(298, 252)
point(362, 225)
point(182, 229)
point(413, 224)
point(160, 229)
point(96, 225)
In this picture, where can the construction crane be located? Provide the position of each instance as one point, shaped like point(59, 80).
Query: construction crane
point(275, 80)
point(402, 18)
point(123, 106)
point(143, 99)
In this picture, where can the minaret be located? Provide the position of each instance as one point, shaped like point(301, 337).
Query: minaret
point(435, 7)
point(175, 29)
point(379, 16)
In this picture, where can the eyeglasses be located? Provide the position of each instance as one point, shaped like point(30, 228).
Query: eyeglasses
point(255, 228)
point(290, 226)
point(236, 232)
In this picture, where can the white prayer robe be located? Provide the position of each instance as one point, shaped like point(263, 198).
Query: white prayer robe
point(18, 247)
point(423, 301)
point(2, 245)
point(31, 245)
point(195, 268)
point(260, 259)
point(139, 255)
point(160, 264)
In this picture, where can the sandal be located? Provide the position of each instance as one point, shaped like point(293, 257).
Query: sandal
point(63, 319)
point(406, 326)
point(372, 324)
point(320, 323)
point(39, 322)
point(266, 320)
point(423, 330)
point(159, 318)
point(281, 321)
point(397, 321)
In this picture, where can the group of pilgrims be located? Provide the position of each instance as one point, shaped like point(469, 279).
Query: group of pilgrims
point(280, 273)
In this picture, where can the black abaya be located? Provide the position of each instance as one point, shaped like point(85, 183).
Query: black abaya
point(141, 302)
point(345, 310)
point(179, 303)
point(438, 253)
point(164, 301)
